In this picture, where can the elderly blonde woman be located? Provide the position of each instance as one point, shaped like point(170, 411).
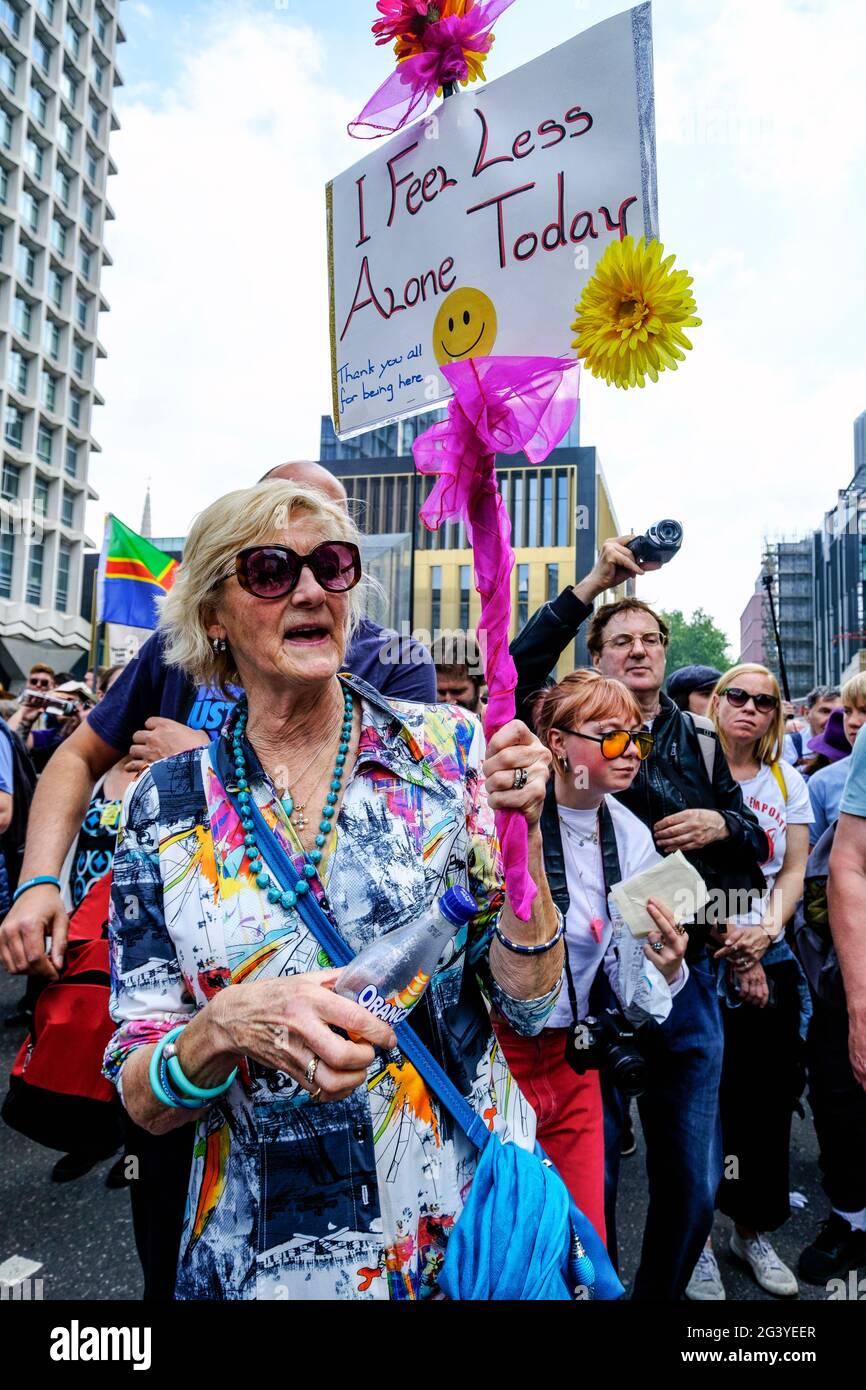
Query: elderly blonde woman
point(322, 1168)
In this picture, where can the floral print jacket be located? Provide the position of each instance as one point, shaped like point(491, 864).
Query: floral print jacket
point(353, 1199)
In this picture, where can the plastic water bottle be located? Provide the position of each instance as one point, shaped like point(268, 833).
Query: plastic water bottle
point(390, 975)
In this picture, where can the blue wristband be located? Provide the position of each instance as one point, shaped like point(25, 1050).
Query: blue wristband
point(35, 883)
point(165, 1082)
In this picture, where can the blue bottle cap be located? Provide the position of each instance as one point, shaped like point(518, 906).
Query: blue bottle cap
point(457, 906)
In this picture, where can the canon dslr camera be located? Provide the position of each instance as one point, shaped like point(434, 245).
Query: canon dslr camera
point(608, 1041)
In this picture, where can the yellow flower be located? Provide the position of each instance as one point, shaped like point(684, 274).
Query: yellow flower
point(631, 316)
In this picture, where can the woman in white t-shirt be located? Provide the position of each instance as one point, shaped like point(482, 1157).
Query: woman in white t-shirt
point(760, 988)
point(593, 727)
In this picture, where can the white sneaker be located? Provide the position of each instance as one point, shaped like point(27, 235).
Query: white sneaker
point(705, 1285)
point(768, 1269)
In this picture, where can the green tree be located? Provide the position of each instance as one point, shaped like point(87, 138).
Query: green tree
point(696, 641)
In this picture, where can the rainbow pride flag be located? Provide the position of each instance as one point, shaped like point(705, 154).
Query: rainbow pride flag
point(133, 574)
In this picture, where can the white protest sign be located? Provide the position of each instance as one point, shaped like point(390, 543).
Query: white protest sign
point(475, 230)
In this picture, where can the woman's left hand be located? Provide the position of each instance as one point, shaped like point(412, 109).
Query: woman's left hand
point(744, 947)
point(673, 939)
point(515, 755)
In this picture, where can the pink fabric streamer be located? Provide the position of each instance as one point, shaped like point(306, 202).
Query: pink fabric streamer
point(409, 90)
point(500, 405)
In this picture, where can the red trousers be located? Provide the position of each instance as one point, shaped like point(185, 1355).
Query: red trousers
point(568, 1110)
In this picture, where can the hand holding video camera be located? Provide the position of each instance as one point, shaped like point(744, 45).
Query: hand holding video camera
point(624, 557)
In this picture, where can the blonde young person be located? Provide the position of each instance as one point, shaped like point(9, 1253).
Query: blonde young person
point(759, 985)
point(592, 726)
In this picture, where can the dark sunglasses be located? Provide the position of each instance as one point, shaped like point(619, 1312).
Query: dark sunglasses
point(272, 571)
point(740, 698)
point(614, 744)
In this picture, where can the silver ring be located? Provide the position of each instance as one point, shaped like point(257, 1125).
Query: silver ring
point(657, 946)
point(310, 1073)
point(521, 777)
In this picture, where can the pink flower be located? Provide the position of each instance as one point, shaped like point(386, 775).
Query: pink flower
point(458, 48)
point(436, 43)
point(401, 19)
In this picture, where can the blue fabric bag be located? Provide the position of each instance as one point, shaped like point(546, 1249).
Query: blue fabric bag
point(520, 1236)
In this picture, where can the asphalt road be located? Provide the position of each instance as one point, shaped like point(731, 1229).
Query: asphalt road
point(80, 1233)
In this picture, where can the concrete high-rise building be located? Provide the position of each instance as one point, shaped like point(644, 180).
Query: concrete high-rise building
point(57, 80)
point(840, 600)
point(860, 450)
point(792, 567)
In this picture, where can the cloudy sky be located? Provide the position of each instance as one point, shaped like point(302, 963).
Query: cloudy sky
point(233, 117)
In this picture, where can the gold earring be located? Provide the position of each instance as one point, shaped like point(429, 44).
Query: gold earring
point(563, 763)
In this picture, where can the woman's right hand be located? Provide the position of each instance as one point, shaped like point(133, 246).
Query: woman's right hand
point(282, 1024)
point(672, 939)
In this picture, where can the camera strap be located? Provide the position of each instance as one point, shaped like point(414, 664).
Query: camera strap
point(611, 874)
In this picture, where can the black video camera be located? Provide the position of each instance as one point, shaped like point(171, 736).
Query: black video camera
point(660, 543)
point(608, 1041)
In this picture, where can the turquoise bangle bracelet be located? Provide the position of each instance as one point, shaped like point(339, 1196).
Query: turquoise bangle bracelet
point(35, 883)
point(187, 1088)
point(153, 1069)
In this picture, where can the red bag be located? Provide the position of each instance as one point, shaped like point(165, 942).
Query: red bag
point(57, 1093)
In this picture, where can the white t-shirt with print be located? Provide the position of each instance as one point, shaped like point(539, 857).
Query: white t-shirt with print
point(763, 796)
point(585, 880)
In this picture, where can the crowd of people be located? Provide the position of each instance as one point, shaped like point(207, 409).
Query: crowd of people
point(272, 754)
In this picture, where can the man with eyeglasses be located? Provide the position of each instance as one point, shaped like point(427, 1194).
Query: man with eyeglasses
point(685, 794)
point(41, 679)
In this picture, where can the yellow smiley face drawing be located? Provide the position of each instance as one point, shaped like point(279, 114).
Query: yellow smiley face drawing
point(465, 326)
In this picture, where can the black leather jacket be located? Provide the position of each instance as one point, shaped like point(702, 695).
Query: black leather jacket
point(673, 778)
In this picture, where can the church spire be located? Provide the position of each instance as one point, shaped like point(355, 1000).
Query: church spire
point(145, 529)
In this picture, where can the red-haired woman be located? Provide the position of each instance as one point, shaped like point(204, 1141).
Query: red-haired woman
point(592, 725)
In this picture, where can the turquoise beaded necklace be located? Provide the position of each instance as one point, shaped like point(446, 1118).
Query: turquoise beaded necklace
point(275, 894)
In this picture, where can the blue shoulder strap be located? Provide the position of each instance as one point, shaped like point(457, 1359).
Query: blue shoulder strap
point(285, 873)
